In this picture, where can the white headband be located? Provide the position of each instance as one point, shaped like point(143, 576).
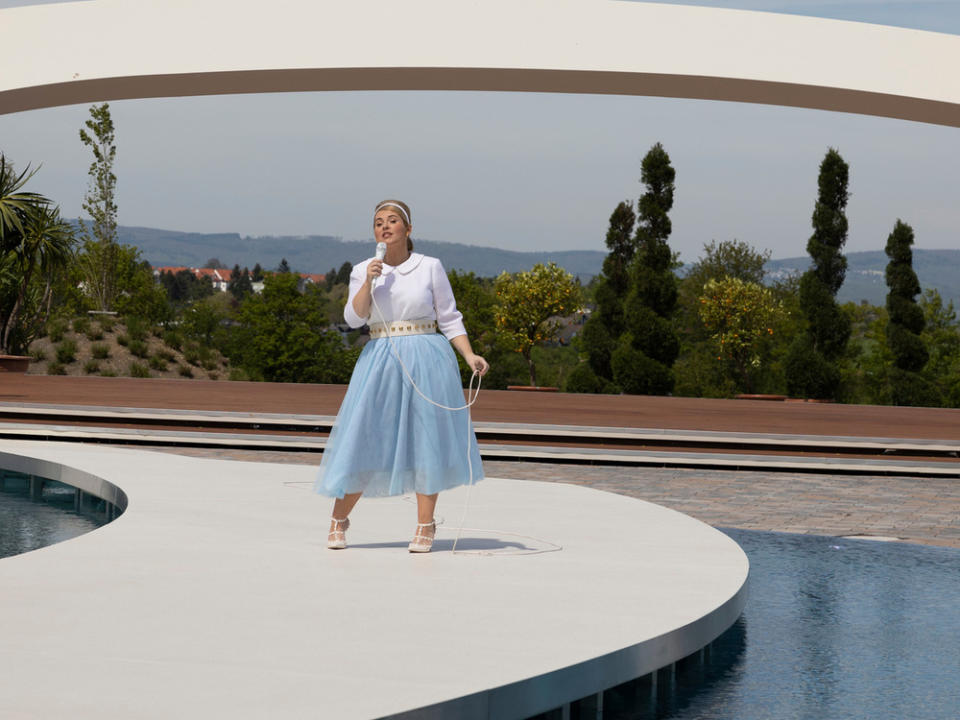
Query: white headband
point(393, 205)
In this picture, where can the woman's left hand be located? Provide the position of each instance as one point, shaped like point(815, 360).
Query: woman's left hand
point(478, 364)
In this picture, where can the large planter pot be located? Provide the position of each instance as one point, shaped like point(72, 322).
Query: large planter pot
point(14, 363)
point(533, 388)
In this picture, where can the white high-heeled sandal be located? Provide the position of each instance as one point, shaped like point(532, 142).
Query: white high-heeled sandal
point(423, 543)
point(337, 538)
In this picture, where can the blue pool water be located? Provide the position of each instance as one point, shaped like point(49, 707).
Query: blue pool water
point(832, 629)
point(28, 525)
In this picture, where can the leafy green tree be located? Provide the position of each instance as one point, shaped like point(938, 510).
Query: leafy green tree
point(240, 284)
point(214, 264)
point(646, 352)
point(740, 317)
point(527, 304)
point(905, 323)
point(100, 255)
point(207, 319)
point(605, 326)
point(941, 336)
point(183, 287)
point(283, 336)
point(343, 274)
point(812, 362)
point(139, 295)
point(284, 266)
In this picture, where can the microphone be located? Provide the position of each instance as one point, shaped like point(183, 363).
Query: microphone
point(380, 254)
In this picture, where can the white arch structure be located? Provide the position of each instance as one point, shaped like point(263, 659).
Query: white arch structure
point(100, 50)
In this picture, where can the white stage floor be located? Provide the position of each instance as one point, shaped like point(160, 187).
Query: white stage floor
point(214, 595)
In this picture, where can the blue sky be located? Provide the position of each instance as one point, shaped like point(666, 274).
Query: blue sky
point(520, 171)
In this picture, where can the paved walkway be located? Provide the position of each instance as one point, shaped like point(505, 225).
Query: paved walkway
point(920, 510)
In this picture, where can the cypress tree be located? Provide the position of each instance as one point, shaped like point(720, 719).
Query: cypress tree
point(905, 323)
point(646, 352)
point(811, 367)
point(606, 323)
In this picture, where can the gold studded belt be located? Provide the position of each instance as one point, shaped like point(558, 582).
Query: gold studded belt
point(403, 327)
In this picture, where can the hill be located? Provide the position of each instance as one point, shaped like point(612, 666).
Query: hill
point(938, 269)
point(319, 253)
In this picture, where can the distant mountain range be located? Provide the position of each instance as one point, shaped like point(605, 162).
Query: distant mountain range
point(938, 269)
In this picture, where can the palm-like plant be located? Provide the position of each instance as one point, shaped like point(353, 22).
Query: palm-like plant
point(33, 238)
point(15, 205)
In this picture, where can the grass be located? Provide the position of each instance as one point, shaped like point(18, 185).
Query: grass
point(123, 339)
point(138, 329)
point(139, 370)
point(157, 363)
point(173, 339)
point(101, 351)
point(91, 366)
point(138, 348)
point(81, 325)
point(108, 373)
point(95, 332)
point(56, 330)
point(185, 371)
point(56, 368)
point(38, 354)
point(67, 352)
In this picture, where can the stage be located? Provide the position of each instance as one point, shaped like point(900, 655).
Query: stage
point(214, 595)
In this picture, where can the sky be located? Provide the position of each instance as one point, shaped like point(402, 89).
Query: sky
point(523, 171)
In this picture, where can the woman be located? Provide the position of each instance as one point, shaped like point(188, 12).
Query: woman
point(387, 439)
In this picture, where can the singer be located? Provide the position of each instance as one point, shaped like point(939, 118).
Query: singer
point(387, 440)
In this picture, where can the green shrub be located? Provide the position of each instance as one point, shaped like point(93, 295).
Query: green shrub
point(108, 373)
point(56, 330)
point(213, 376)
point(238, 374)
point(137, 328)
point(95, 333)
point(157, 363)
point(67, 352)
point(101, 351)
point(107, 323)
point(192, 355)
point(38, 354)
point(173, 339)
point(139, 370)
point(166, 355)
point(123, 339)
point(582, 380)
point(56, 368)
point(81, 325)
point(91, 366)
point(139, 348)
point(185, 371)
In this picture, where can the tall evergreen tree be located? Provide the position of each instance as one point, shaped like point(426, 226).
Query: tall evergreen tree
point(646, 352)
point(606, 323)
point(811, 364)
point(239, 285)
point(905, 323)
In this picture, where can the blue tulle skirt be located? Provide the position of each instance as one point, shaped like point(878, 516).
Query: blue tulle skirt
point(387, 440)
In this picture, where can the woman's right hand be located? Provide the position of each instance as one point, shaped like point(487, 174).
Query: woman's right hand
point(374, 270)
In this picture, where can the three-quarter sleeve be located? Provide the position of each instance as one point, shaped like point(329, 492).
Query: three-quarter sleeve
point(357, 275)
point(449, 319)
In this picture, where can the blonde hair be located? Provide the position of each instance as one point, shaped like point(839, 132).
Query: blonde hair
point(404, 215)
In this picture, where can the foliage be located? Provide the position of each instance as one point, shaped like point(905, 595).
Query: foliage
point(606, 321)
point(139, 370)
point(527, 305)
point(905, 323)
point(91, 366)
point(100, 351)
point(740, 316)
point(257, 274)
point(811, 364)
point(240, 284)
point(644, 355)
point(185, 287)
point(941, 336)
point(67, 352)
point(99, 259)
point(206, 321)
point(138, 294)
point(343, 274)
point(283, 267)
point(282, 336)
point(582, 379)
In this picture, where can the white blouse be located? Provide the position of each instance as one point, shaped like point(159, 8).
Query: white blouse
point(416, 289)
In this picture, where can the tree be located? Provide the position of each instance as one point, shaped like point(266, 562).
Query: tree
point(527, 303)
point(283, 336)
point(16, 204)
point(214, 264)
point(284, 266)
point(45, 248)
point(343, 274)
point(941, 336)
point(99, 258)
point(257, 275)
point(905, 323)
point(605, 325)
point(239, 285)
point(646, 352)
point(811, 364)
point(740, 316)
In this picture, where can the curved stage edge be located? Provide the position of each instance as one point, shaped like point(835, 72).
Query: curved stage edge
point(213, 594)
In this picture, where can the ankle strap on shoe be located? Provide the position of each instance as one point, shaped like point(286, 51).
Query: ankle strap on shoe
point(432, 522)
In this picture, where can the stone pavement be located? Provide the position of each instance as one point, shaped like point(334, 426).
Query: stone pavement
point(919, 510)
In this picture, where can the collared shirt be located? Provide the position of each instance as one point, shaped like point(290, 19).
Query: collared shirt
point(416, 289)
